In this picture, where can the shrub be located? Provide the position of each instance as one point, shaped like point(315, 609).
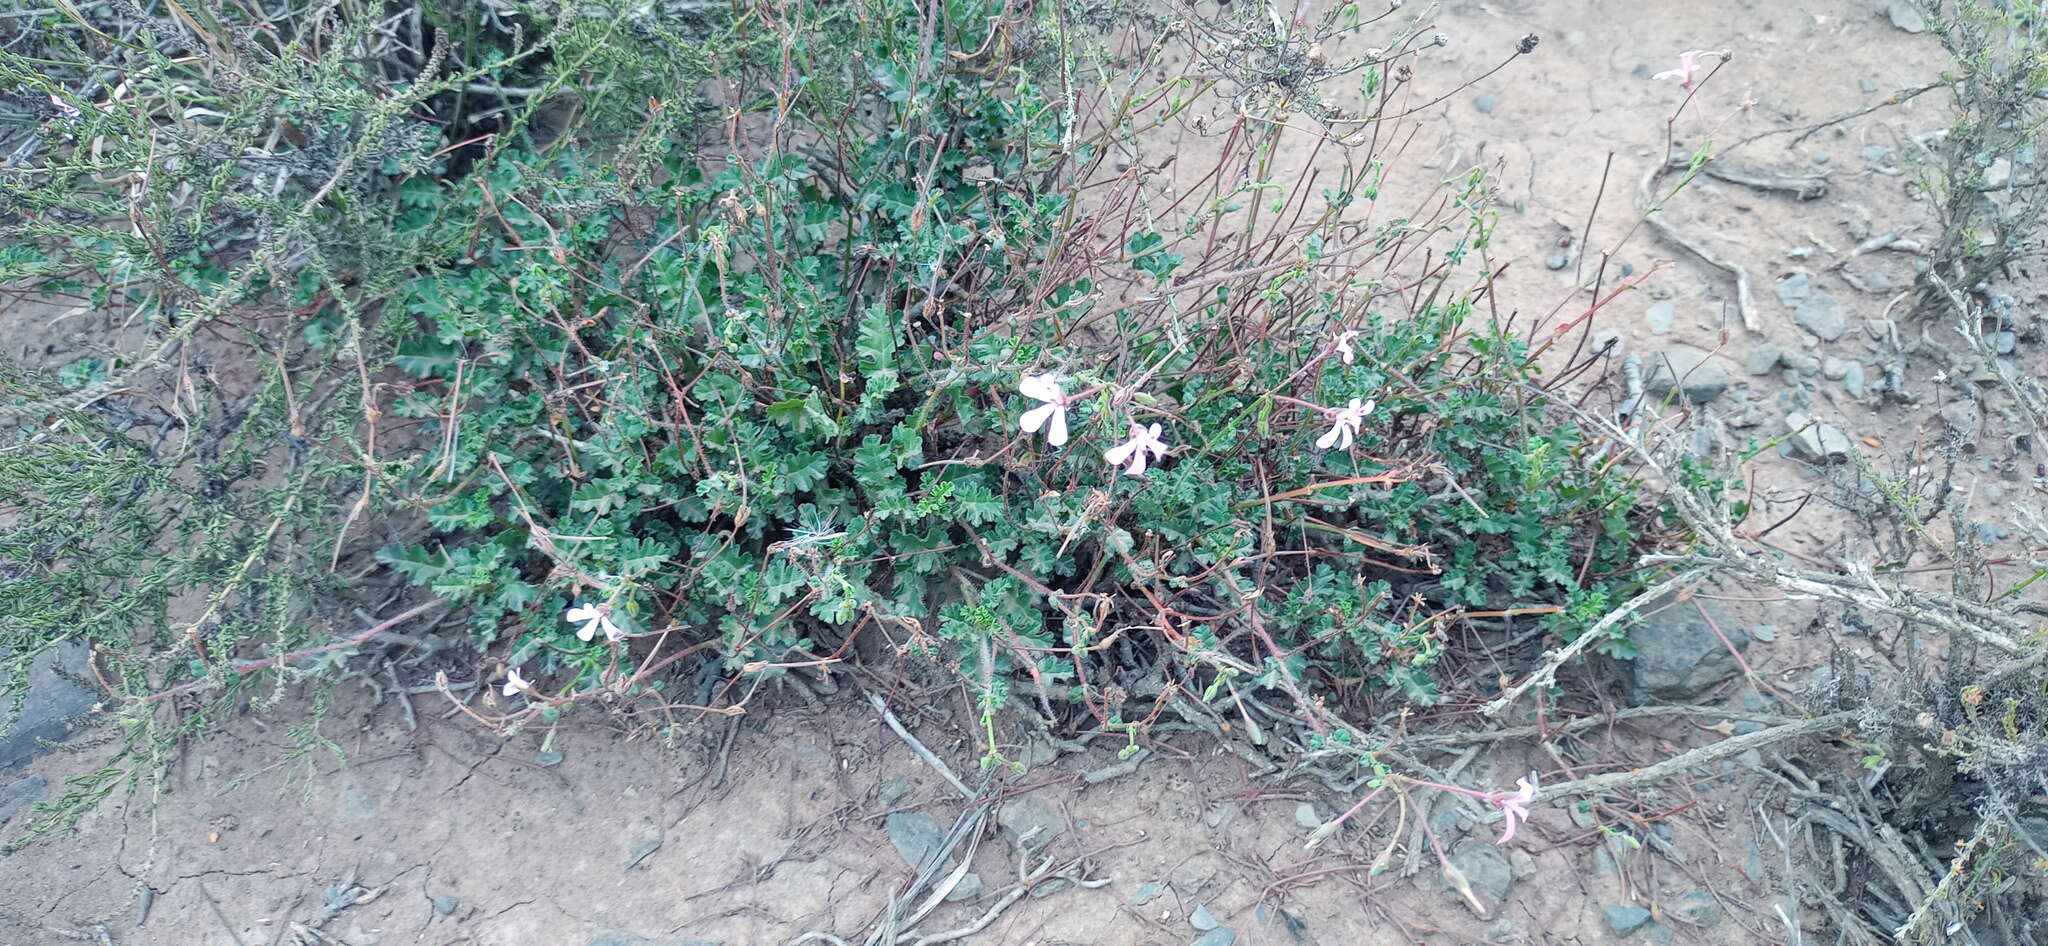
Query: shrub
point(773, 403)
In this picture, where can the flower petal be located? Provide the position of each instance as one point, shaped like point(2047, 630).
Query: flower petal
point(1040, 387)
point(1329, 440)
point(1036, 417)
point(1057, 436)
point(1116, 455)
point(588, 630)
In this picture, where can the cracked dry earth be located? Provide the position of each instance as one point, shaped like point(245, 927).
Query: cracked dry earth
point(792, 819)
point(447, 835)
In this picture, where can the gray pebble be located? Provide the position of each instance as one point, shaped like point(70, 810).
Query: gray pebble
point(1147, 892)
point(1691, 370)
point(1877, 154)
point(1766, 633)
point(1761, 360)
point(1626, 920)
point(1833, 368)
point(1987, 534)
point(1660, 316)
point(1306, 816)
point(548, 758)
point(1853, 379)
point(1800, 252)
point(1220, 936)
point(1484, 103)
point(1867, 85)
point(2002, 342)
point(1820, 314)
point(892, 791)
point(446, 906)
point(969, 887)
point(1822, 157)
point(1201, 919)
point(1815, 440)
point(1792, 289)
point(1993, 493)
point(1906, 16)
point(1557, 260)
point(915, 835)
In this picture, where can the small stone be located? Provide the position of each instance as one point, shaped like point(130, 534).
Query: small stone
point(1220, 936)
point(1484, 103)
point(1998, 174)
point(1877, 154)
point(1906, 16)
point(1486, 869)
point(1800, 252)
point(1501, 931)
point(1697, 908)
point(1201, 919)
point(1820, 314)
point(2002, 342)
point(1793, 289)
point(1147, 892)
point(1960, 416)
point(1822, 157)
point(446, 906)
point(1679, 655)
point(1660, 316)
point(1764, 632)
point(1853, 379)
point(1815, 440)
point(1762, 359)
point(915, 835)
point(637, 855)
point(1627, 270)
point(1833, 368)
point(1867, 85)
point(1031, 821)
point(892, 791)
point(1987, 534)
point(1662, 934)
point(548, 758)
point(1802, 364)
point(1626, 920)
point(1305, 815)
point(1688, 369)
point(1993, 494)
point(1753, 862)
point(1216, 814)
point(969, 887)
point(1557, 260)
point(1581, 815)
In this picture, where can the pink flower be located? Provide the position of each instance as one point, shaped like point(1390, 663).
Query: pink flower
point(1514, 806)
point(1346, 421)
point(1143, 440)
point(1045, 388)
point(1688, 63)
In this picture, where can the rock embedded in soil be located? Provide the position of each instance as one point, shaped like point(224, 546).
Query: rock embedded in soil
point(1814, 440)
point(1690, 370)
point(1678, 654)
point(1961, 418)
point(446, 906)
point(1661, 315)
point(1833, 368)
point(1147, 892)
point(1906, 16)
point(1201, 919)
point(892, 791)
point(1486, 870)
point(1761, 360)
point(1853, 380)
point(969, 887)
point(1031, 821)
point(1626, 920)
point(1822, 315)
point(1306, 816)
point(1220, 936)
point(1697, 908)
point(1484, 103)
point(1557, 260)
point(915, 835)
point(51, 703)
point(1793, 288)
point(19, 795)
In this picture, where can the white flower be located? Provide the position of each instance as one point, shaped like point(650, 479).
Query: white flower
point(1344, 344)
point(514, 683)
point(1143, 439)
point(594, 618)
point(1045, 388)
point(1346, 423)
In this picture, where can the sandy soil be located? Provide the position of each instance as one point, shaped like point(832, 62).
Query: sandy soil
point(779, 823)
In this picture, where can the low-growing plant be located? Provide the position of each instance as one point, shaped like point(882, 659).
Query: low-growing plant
point(911, 360)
